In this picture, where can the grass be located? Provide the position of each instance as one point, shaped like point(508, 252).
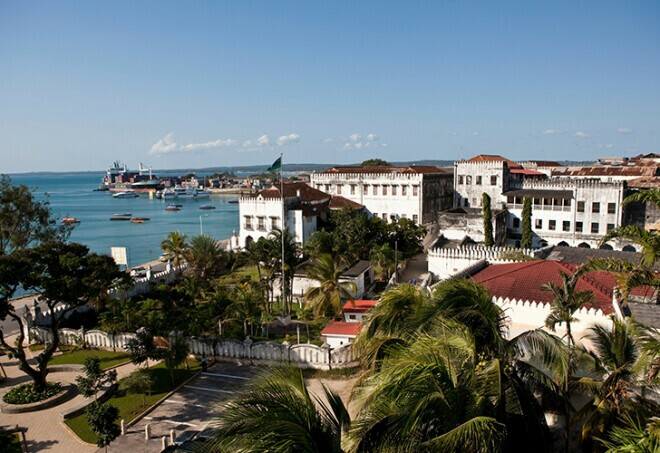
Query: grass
point(10, 442)
point(240, 275)
point(107, 358)
point(129, 405)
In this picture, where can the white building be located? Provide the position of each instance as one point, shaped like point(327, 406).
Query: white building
point(391, 193)
point(340, 333)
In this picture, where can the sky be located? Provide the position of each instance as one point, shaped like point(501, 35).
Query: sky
point(202, 84)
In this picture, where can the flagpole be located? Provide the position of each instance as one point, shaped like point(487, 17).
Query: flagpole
point(282, 226)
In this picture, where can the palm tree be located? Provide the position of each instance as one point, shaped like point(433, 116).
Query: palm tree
point(277, 414)
point(328, 296)
point(566, 301)
point(645, 196)
point(245, 306)
point(175, 246)
point(621, 378)
point(291, 260)
point(205, 257)
point(636, 435)
point(384, 259)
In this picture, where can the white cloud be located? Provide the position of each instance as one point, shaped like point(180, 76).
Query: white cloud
point(328, 140)
point(167, 145)
point(358, 141)
point(287, 139)
point(605, 146)
point(624, 130)
point(580, 134)
point(263, 140)
point(372, 137)
point(551, 132)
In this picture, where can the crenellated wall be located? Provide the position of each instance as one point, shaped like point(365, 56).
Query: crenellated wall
point(448, 262)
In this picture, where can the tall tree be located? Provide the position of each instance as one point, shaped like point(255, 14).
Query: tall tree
point(205, 257)
point(384, 260)
point(63, 274)
point(488, 220)
point(175, 246)
point(526, 241)
point(25, 221)
point(327, 297)
point(292, 255)
point(102, 419)
point(276, 413)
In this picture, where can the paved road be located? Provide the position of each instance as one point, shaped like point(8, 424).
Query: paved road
point(9, 326)
point(188, 411)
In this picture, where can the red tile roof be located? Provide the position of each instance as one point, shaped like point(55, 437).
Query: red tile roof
point(359, 306)
point(523, 281)
point(417, 169)
point(339, 202)
point(291, 189)
point(648, 170)
point(645, 182)
point(545, 163)
point(523, 171)
point(494, 158)
point(348, 329)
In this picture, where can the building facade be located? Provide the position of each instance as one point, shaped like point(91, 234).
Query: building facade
point(391, 193)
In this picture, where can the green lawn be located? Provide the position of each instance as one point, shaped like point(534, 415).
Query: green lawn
point(10, 443)
point(129, 405)
point(239, 275)
point(107, 358)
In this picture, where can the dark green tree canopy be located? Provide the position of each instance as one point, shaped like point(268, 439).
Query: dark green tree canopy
point(375, 163)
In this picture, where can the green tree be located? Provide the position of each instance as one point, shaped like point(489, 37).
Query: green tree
point(139, 382)
point(25, 221)
point(64, 274)
point(291, 259)
point(375, 163)
point(142, 347)
point(175, 246)
point(174, 355)
point(526, 241)
point(245, 306)
point(102, 419)
point(276, 413)
point(636, 435)
point(205, 257)
point(383, 258)
point(327, 297)
point(488, 220)
point(95, 378)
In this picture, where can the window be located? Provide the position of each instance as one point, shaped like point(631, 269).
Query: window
point(566, 225)
point(393, 218)
point(338, 189)
point(478, 181)
point(580, 206)
point(393, 190)
point(510, 199)
point(327, 188)
point(594, 227)
point(318, 187)
point(611, 208)
point(375, 191)
point(414, 218)
point(365, 189)
point(537, 202)
point(578, 227)
point(552, 224)
point(547, 202)
point(351, 317)
point(474, 201)
point(466, 203)
point(516, 223)
point(375, 214)
point(404, 190)
point(415, 188)
point(610, 227)
point(460, 179)
point(493, 180)
point(384, 190)
point(468, 179)
point(248, 222)
point(273, 223)
point(595, 207)
point(384, 216)
point(261, 223)
point(538, 224)
point(404, 216)
point(352, 189)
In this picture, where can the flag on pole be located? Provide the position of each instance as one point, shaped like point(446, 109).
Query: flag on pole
point(277, 165)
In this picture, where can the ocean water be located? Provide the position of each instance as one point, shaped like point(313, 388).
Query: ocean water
point(72, 195)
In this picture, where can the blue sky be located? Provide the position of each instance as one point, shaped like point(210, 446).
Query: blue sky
point(193, 84)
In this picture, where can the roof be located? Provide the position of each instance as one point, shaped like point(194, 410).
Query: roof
point(545, 163)
point(649, 170)
point(416, 169)
point(547, 193)
point(359, 306)
point(649, 314)
point(494, 158)
point(523, 281)
point(645, 182)
point(523, 171)
point(294, 189)
point(339, 202)
point(341, 328)
point(357, 269)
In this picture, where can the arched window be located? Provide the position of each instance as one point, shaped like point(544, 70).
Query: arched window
point(248, 240)
point(584, 245)
point(629, 248)
point(562, 244)
point(606, 247)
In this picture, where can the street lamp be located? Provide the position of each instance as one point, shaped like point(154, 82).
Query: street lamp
point(201, 224)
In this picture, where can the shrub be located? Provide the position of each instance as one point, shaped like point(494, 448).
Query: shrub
point(25, 394)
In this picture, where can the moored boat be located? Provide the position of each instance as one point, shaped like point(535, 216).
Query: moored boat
point(115, 219)
point(207, 207)
point(143, 219)
point(122, 214)
point(137, 220)
point(173, 207)
point(126, 194)
point(70, 220)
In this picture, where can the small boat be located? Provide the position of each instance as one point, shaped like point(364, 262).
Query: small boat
point(126, 194)
point(119, 218)
point(206, 206)
point(70, 220)
point(122, 214)
point(233, 201)
point(173, 207)
point(137, 220)
point(144, 219)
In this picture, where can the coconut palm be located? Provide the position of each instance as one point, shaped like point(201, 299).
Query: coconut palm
point(276, 413)
point(620, 380)
point(636, 435)
point(175, 246)
point(291, 259)
point(651, 196)
point(205, 257)
point(384, 259)
point(328, 296)
point(245, 306)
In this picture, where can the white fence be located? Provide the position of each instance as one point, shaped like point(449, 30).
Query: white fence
point(257, 352)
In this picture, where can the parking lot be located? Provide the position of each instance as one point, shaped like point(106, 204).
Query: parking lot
point(189, 411)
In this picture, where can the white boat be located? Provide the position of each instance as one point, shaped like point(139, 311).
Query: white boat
point(183, 192)
point(126, 194)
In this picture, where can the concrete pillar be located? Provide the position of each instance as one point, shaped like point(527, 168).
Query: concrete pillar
point(147, 432)
point(123, 427)
point(172, 437)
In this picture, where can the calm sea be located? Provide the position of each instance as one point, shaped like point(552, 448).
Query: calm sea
point(72, 195)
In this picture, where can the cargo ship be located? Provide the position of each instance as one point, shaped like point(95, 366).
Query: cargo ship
point(118, 178)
